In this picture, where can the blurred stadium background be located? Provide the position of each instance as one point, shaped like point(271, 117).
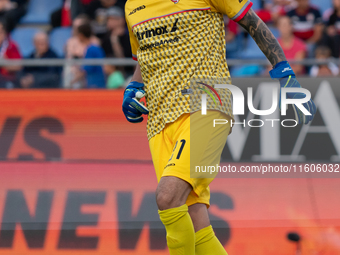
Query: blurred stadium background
point(76, 178)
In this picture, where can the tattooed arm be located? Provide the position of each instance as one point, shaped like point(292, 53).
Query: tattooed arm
point(281, 68)
point(263, 37)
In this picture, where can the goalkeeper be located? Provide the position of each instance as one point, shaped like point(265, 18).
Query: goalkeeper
point(174, 42)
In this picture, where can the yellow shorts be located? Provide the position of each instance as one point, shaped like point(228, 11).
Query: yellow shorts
point(191, 141)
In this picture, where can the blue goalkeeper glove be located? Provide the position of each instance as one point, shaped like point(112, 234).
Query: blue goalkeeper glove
point(132, 108)
point(286, 76)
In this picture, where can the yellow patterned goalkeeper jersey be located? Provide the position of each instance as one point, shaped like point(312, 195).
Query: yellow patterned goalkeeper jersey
point(175, 42)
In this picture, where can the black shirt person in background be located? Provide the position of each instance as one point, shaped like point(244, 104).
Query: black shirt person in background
point(97, 10)
point(41, 76)
point(116, 42)
point(332, 34)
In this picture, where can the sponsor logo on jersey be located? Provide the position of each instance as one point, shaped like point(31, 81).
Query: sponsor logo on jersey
point(137, 9)
point(156, 31)
point(171, 164)
point(175, 1)
point(160, 43)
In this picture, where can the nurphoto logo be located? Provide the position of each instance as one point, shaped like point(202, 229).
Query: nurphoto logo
point(238, 104)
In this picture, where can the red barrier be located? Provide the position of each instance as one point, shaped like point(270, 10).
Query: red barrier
point(78, 208)
point(110, 208)
point(65, 124)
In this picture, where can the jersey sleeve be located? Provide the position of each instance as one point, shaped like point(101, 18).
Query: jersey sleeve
point(234, 9)
point(133, 42)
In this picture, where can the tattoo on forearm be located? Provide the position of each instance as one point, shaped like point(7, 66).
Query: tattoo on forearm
point(263, 37)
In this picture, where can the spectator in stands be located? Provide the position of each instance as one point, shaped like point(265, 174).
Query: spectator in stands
point(307, 22)
point(328, 69)
point(41, 76)
point(332, 36)
point(231, 29)
point(265, 11)
point(63, 17)
point(70, 10)
point(121, 4)
point(232, 43)
point(94, 75)
point(97, 10)
point(11, 12)
point(115, 78)
point(334, 20)
point(116, 42)
point(273, 9)
point(76, 49)
point(8, 50)
point(293, 47)
point(284, 6)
